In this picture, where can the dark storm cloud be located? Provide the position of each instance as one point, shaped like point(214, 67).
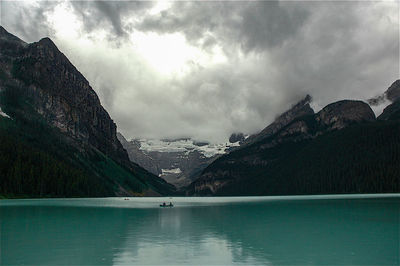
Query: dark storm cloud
point(27, 22)
point(348, 50)
point(330, 49)
point(276, 52)
point(109, 15)
point(251, 25)
point(269, 24)
point(30, 21)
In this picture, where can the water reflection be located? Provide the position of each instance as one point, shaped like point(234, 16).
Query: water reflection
point(180, 236)
point(357, 231)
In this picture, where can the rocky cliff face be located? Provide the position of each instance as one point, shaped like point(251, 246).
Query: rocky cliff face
point(297, 125)
point(64, 97)
point(302, 108)
point(340, 114)
point(61, 93)
point(136, 155)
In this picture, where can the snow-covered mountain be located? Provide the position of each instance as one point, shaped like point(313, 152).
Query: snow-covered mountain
point(178, 161)
point(185, 145)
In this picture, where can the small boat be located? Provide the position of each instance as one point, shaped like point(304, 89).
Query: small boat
point(167, 205)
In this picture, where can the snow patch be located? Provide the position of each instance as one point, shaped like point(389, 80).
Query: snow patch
point(171, 171)
point(186, 146)
point(4, 114)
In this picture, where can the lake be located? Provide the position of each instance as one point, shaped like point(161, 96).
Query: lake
point(341, 229)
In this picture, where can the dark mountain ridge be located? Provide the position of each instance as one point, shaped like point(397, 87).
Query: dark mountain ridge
point(392, 111)
point(340, 149)
point(300, 109)
point(65, 99)
point(47, 97)
point(138, 156)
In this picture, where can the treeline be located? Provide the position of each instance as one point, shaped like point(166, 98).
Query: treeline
point(359, 159)
point(28, 171)
point(36, 160)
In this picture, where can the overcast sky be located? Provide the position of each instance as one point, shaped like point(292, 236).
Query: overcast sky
point(207, 69)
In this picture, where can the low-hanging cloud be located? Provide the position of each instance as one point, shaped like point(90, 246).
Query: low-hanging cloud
point(270, 53)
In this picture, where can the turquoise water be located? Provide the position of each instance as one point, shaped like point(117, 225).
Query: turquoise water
point(252, 230)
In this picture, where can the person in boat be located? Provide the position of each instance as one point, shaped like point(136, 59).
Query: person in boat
point(170, 204)
point(164, 204)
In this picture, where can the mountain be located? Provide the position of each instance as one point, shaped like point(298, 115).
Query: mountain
point(392, 111)
point(237, 137)
point(302, 108)
point(58, 139)
point(340, 149)
point(138, 156)
point(393, 92)
point(178, 161)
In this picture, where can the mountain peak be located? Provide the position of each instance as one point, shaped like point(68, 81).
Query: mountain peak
point(63, 96)
point(47, 48)
point(6, 36)
point(306, 100)
point(393, 92)
point(46, 41)
point(2, 30)
point(301, 108)
point(237, 136)
point(339, 114)
point(392, 111)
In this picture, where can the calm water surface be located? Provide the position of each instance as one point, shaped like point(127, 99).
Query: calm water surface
point(252, 230)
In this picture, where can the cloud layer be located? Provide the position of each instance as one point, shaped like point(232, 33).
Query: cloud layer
point(207, 69)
